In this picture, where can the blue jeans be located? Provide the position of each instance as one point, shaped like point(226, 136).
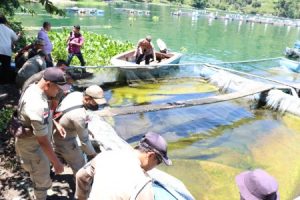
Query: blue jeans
point(78, 55)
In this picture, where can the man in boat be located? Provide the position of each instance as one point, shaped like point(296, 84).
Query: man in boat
point(122, 174)
point(145, 49)
point(72, 115)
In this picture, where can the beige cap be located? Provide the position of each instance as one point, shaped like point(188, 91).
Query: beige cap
point(96, 93)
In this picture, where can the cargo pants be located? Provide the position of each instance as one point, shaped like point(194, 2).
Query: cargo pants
point(38, 166)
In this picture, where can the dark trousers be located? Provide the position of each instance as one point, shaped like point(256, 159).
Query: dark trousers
point(78, 55)
point(141, 56)
point(7, 74)
point(49, 61)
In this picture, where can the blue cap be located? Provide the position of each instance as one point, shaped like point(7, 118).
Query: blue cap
point(156, 143)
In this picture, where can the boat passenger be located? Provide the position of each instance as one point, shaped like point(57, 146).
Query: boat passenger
point(122, 174)
point(145, 49)
point(48, 46)
point(257, 185)
point(75, 42)
point(72, 115)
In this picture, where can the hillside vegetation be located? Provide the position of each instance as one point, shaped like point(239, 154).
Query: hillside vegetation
point(282, 8)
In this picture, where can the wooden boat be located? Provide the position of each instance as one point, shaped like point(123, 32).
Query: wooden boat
point(290, 64)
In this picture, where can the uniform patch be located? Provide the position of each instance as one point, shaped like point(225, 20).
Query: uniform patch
point(87, 120)
point(46, 114)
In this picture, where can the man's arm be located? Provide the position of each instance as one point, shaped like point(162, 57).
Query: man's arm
point(81, 41)
point(80, 124)
point(47, 149)
point(137, 48)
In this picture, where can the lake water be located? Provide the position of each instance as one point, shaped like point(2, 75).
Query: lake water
point(209, 144)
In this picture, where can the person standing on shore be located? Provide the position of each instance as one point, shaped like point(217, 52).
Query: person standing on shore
point(122, 174)
point(48, 46)
point(32, 66)
point(7, 38)
point(34, 149)
point(75, 42)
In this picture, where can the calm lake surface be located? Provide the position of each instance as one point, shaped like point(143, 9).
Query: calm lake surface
point(210, 144)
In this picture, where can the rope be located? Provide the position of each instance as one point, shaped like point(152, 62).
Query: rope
point(154, 66)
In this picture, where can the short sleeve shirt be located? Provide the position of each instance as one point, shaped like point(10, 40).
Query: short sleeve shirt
point(117, 176)
point(31, 67)
point(7, 37)
point(75, 122)
point(35, 111)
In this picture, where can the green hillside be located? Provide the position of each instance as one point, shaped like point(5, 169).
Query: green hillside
point(282, 8)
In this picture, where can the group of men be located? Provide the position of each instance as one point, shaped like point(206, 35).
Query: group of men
point(54, 118)
point(53, 133)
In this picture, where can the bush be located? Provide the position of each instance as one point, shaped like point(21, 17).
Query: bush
point(256, 4)
point(201, 4)
point(5, 115)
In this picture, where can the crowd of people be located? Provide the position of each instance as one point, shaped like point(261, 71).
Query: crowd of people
point(34, 57)
point(52, 118)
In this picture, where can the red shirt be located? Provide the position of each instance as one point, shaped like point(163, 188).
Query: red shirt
point(75, 43)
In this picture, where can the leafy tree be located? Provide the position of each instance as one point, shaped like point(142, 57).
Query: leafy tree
point(288, 8)
point(200, 4)
point(8, 7)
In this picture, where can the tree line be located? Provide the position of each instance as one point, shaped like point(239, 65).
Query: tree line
point(281, 8)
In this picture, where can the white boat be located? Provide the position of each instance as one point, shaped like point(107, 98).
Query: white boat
point(127, 59)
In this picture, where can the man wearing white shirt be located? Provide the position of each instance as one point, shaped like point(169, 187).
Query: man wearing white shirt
point(7, 38)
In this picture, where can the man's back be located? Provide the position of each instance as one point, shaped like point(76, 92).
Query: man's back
point(7, 36)
point(118, 176)
point(31, 67)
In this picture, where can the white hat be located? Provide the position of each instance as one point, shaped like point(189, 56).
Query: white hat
point(96, 93)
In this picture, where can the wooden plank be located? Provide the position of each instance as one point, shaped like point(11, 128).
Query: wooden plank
point(181, 104)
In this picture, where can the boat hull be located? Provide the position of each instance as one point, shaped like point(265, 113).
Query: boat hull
point(125, 62)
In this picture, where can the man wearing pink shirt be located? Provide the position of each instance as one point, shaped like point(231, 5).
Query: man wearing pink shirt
point(75, 42)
